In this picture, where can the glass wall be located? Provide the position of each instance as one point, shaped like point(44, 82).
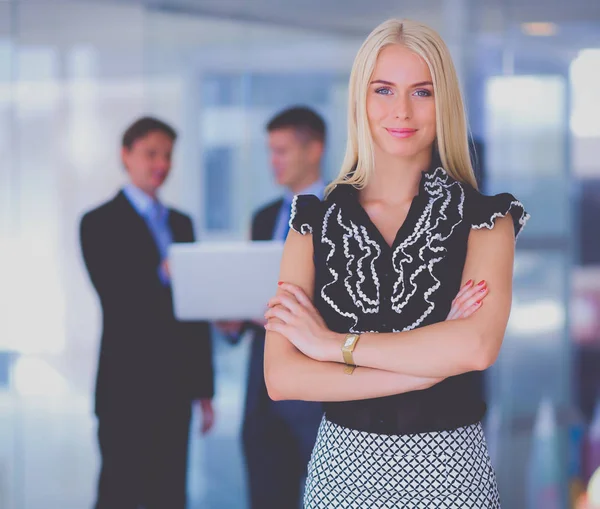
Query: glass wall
point(10, 467)
point(72, 81)
point(527, 154)
point(74, 74)
point(585, 281)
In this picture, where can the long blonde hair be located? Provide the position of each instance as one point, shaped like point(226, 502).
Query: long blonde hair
point(451, 124)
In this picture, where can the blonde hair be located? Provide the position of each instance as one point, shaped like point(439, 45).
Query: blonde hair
point(451, 124)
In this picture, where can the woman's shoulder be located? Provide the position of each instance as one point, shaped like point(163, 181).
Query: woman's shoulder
point(309, 211)
point(306, 214)
point(482, 210)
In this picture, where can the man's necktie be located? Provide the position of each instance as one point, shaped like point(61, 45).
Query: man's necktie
point(288, 212)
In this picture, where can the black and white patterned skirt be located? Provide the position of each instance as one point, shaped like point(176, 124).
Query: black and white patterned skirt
point(354, 470)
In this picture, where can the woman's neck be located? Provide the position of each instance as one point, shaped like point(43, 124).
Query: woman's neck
point(395, 180)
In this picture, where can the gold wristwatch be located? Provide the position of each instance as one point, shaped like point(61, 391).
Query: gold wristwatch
point(347, 348)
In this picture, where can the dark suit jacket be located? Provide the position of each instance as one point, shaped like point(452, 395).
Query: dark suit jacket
point(257, 398)
point(147, 358)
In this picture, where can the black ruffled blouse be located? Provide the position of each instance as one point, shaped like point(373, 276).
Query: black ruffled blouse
point(364, 285)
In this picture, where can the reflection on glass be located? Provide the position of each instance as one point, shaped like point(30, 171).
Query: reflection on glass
point(537, 318)
point(526, 135)
point(32, 299)
point(36, 377)
point(585, 83)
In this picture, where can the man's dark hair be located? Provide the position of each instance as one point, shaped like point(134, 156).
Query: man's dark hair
point(307, 123)
point(144, 126)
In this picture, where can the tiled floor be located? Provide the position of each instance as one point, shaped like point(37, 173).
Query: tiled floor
point(48, 455)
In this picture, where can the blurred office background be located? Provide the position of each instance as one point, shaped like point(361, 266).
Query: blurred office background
point(75, 73)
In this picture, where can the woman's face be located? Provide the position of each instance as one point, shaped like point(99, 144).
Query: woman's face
point(400, 104)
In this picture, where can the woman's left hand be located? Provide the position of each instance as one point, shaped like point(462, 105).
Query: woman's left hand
point(294, 316)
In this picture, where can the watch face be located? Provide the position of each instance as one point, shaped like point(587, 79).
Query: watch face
point(349, 341)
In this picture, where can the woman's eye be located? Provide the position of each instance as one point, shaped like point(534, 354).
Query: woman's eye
point(383, 91)
point(423, 93)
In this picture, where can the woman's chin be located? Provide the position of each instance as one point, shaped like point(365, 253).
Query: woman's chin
point(401, 152)
point(402, 149)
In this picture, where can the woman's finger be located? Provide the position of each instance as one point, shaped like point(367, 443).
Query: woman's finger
point(468, 312)
point(463, 289)
point(280, 312)
point(466, 298)
point(469, 289)
point(273, 301)
point(279, 327)
point(290, 302)
point(453, 314)
point(297, 292)
point(468, 293)
point(477, 297)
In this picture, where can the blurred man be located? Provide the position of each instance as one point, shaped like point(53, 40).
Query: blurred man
point(151, 367)
point(278, 436)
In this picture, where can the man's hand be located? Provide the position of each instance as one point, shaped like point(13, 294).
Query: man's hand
point(165, 268)
point(208, 415)
point(583, 502)
point(230, 327)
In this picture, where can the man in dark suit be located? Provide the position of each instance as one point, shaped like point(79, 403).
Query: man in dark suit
point(278, 437)
point(151, 366)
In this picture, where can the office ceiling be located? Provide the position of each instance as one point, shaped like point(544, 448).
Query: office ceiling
point(358, 17)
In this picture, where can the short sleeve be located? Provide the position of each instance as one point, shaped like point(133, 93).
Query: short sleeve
point(484, 210)
point(304, 214)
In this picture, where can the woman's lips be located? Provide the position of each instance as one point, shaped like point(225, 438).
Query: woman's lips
point(401, 133)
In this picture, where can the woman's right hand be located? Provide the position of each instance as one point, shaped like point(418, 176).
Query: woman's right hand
point(468, 300)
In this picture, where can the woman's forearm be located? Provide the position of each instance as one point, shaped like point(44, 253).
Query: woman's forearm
point(297, 377)
point(455, 346)
point(440, 350)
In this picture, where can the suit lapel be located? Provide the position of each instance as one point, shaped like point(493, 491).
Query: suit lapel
point(177, 233)
point(134, 224)
point(271, 224)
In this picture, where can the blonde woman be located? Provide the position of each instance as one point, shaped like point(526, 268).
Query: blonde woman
point(379, 311)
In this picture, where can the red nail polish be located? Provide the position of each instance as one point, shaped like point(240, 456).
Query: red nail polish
point(481, 283)
point(478, 303)
point(280, 283)
point(469, 282)
point(482, 290)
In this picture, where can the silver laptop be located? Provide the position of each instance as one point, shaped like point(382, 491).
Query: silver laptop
point(224, 280)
